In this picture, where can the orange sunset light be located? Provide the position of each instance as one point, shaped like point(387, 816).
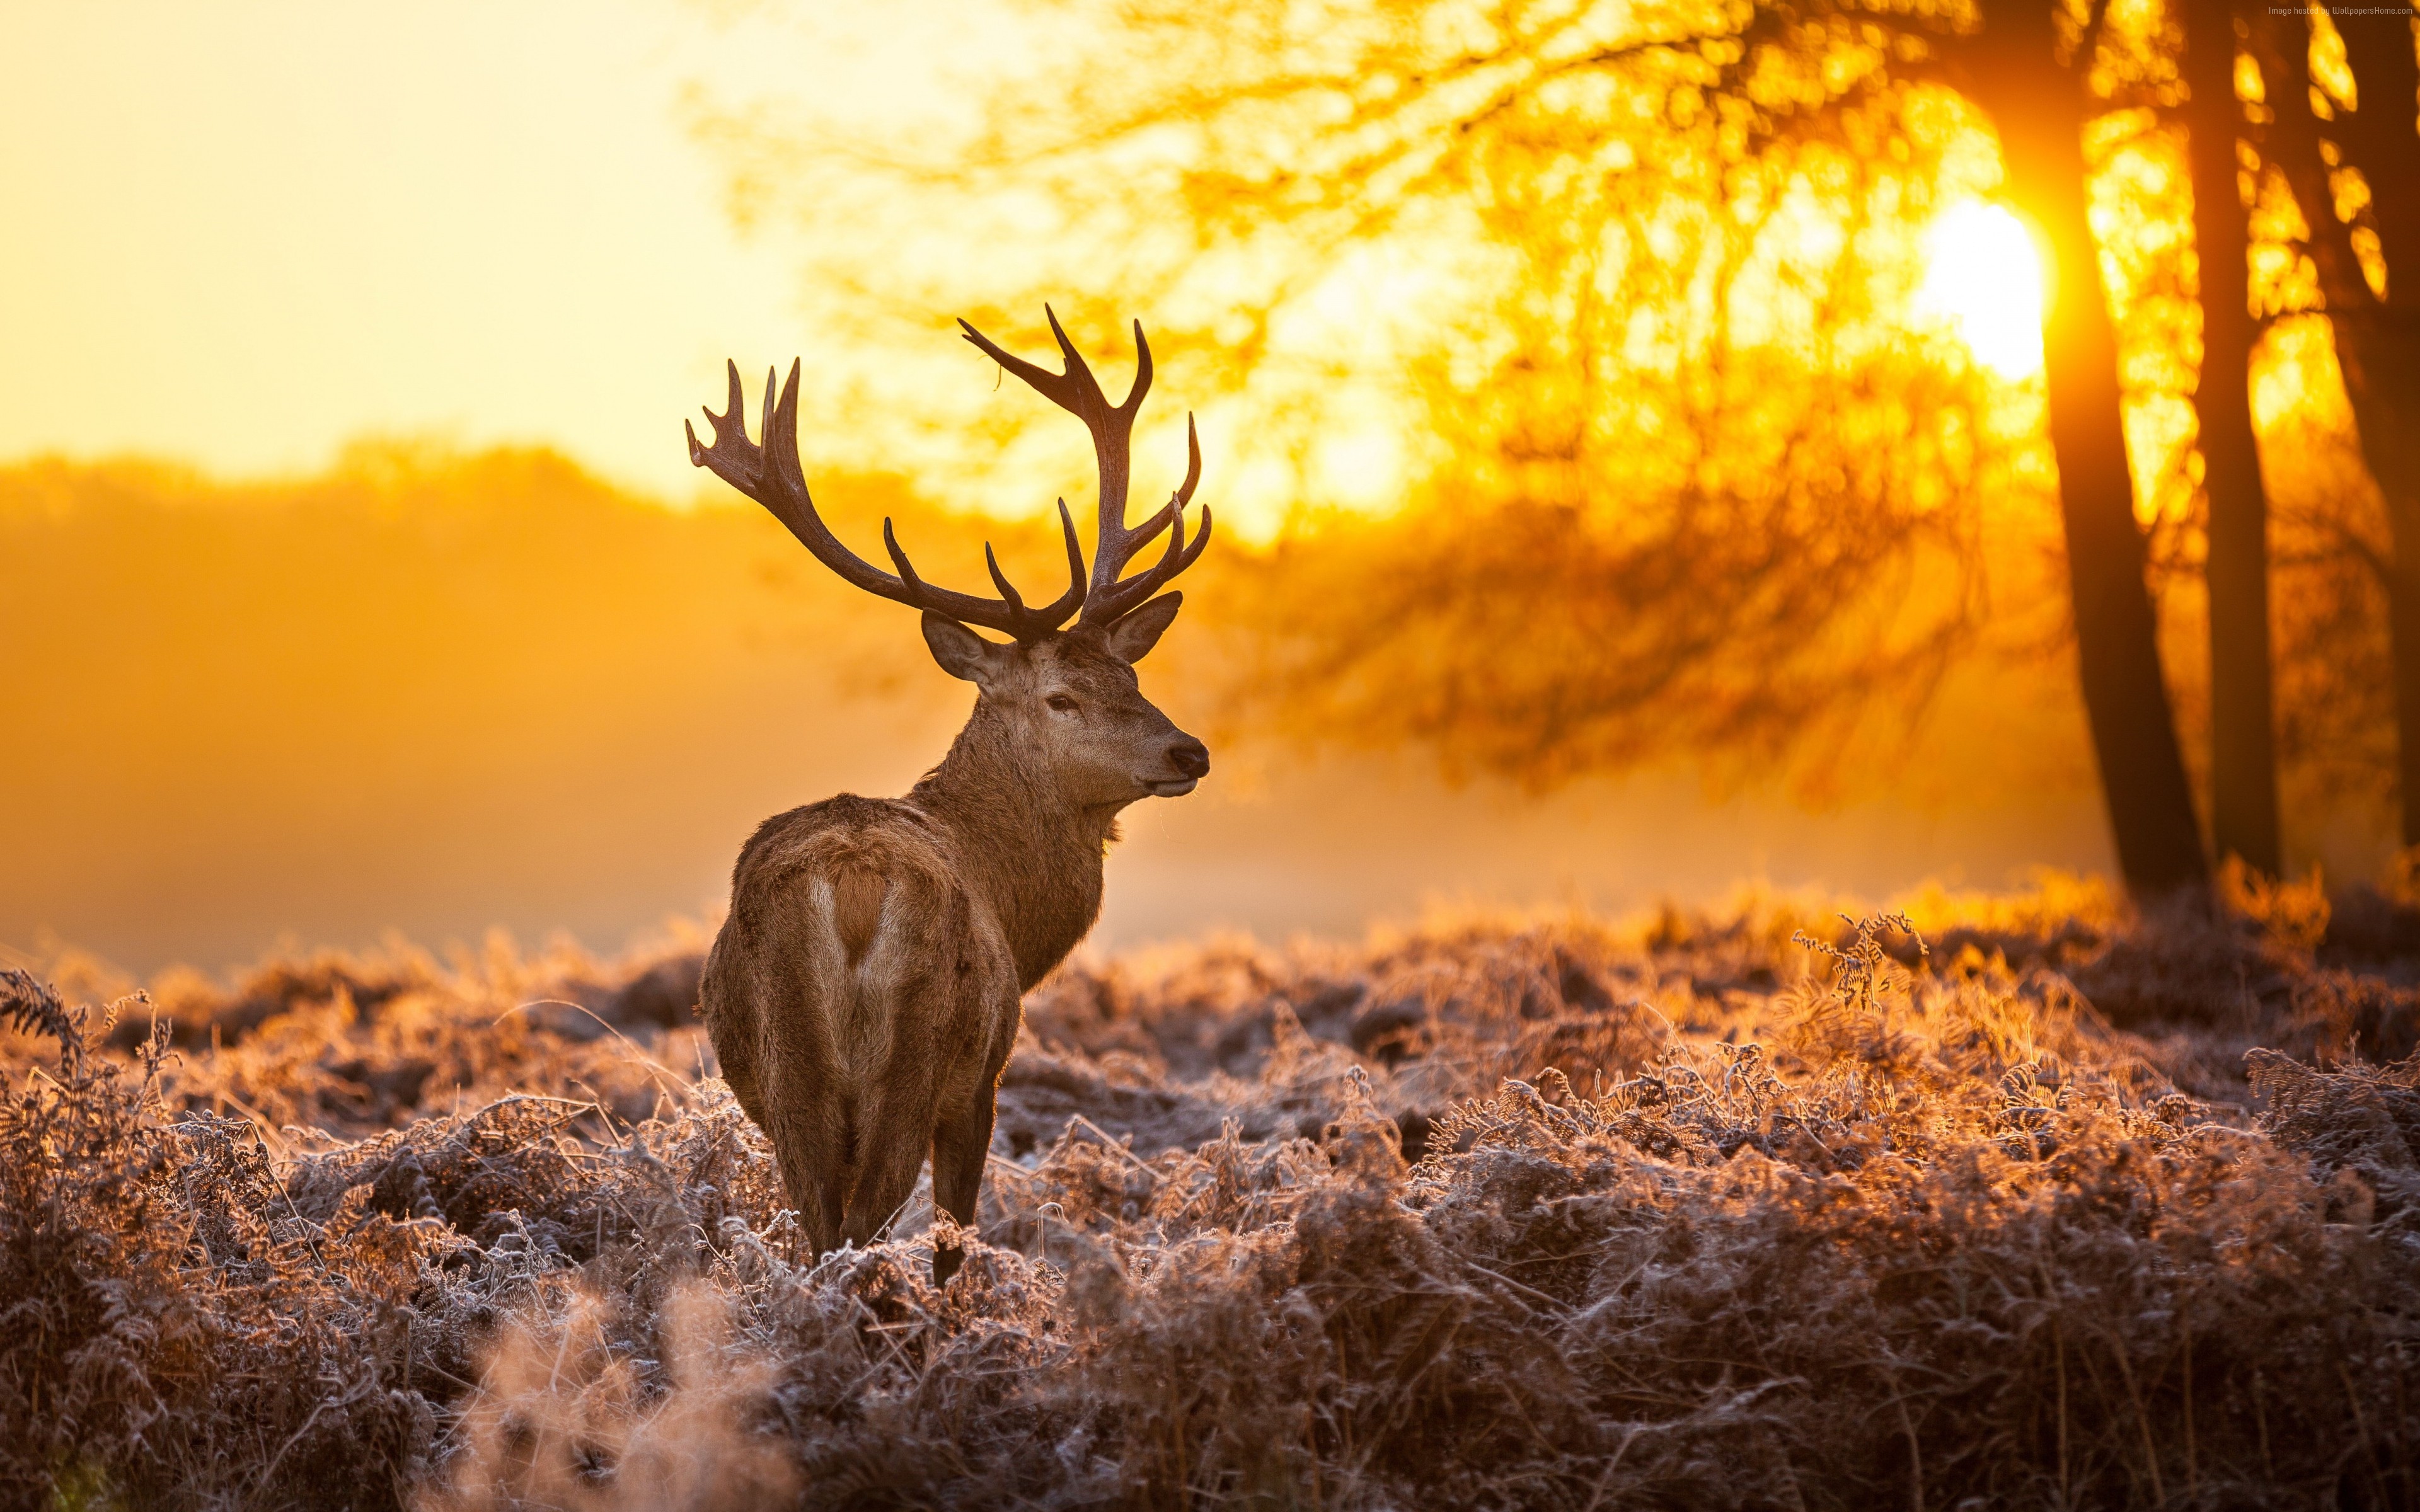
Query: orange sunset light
point(1984, 277)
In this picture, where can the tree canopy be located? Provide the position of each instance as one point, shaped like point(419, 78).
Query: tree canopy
point(1593, 331)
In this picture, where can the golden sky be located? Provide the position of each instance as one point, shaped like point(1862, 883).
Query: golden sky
point(240, 234)
point(243, 234)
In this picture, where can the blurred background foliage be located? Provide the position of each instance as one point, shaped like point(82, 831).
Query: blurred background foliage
point(1591, 394)
point(435, 692)
point(1679, 333)
point(424, 676)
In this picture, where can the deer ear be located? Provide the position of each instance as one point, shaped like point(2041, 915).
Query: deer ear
point(960, 651)
point(1139, 630)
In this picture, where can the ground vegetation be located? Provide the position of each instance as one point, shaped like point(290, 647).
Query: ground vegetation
point(2028, 1199)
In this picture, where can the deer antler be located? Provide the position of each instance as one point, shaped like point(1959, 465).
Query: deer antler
point(1078, 393)
point(771, 475)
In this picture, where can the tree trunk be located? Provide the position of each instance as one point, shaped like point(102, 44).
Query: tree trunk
point(2242, 733)
point(2382, 370)
point(2383, 140)
point(2382, 137)
point(2039, 107)
point(2378, 341)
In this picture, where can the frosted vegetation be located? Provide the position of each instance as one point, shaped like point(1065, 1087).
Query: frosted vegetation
point(2024, 1198)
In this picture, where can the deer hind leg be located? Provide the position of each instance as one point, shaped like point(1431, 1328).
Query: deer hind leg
point(961, 1143)
point(962, 1138)
point(734, 1023)
point(774, 1025)
point(896, 1129)
point(779, 1082)
point(811, 1144)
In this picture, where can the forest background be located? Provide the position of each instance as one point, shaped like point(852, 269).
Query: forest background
point(1634, 471)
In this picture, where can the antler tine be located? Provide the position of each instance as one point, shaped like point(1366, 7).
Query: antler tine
point(1119, 598)
point(765, 426)
point(1124, 597)
point(1159, 520)
point(771, 474)
point(1192, 467)
point(899, 559)
point(1078, 393)
point(700, 456)
point(999, 579)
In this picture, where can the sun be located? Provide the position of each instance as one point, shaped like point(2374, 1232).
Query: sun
point(1984, 275)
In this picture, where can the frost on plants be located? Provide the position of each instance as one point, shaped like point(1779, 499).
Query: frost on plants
point(1994, 1200)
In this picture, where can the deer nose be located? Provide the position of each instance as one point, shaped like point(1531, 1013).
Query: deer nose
point(1189, 757)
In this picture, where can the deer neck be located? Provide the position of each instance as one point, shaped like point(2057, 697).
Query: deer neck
point(1029, 853)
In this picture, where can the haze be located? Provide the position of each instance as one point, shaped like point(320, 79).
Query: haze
point(247, 237)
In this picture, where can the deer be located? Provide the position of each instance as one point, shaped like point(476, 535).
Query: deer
point(868, 984)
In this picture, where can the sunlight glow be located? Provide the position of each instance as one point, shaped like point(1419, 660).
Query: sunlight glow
point(1984, 275)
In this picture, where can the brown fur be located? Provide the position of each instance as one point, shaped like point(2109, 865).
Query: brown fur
point(857, 907)
point(865, 990)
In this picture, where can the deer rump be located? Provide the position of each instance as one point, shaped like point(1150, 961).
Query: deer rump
point(862, 1006)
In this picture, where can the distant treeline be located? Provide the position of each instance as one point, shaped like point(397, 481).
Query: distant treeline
point(442, 691)
point(437, 691)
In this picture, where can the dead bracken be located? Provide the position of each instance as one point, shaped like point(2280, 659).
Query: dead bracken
point(2070, 1205)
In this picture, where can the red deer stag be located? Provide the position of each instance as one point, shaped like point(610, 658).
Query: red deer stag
point(865, 990)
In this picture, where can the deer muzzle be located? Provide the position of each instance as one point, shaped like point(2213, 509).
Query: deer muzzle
point(1190, 760)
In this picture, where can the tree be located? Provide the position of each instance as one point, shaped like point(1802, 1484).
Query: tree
point(1691, 494)
point(2356, 176)
point(2243, 753)
point(2385, 376)
point(2039, 101)
point(1691, 480)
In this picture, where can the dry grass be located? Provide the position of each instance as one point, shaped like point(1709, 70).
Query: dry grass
point(1491, 1213)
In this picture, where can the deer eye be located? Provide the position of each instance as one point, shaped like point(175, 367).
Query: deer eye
point(1061, 703)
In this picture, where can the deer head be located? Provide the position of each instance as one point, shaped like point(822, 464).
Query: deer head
point(1069, 694)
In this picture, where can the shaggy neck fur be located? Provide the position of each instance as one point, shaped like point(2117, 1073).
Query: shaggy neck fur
point(1031, 853)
